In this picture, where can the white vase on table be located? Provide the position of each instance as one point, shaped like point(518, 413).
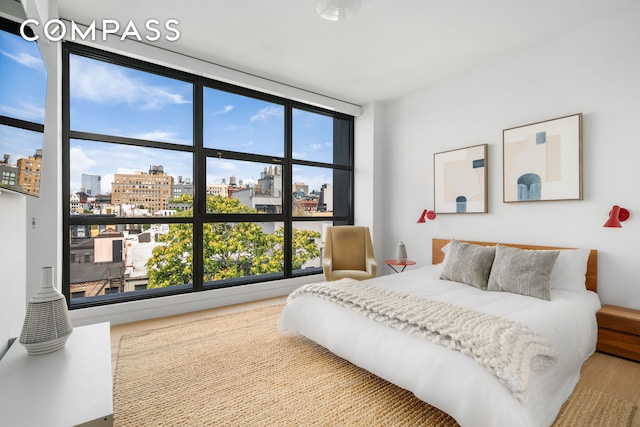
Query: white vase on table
point(47, 324)
point(401, 252)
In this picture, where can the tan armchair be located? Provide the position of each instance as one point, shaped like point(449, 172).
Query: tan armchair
point(348, 252)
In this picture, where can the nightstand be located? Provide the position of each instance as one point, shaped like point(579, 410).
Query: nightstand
point(619, 331)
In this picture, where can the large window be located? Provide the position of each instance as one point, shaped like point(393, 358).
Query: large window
point(176, 183)
point(23, 88)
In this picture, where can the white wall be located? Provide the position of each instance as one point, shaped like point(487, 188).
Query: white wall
point(369, 159)
point(594, 70)
point(44, 214)
point(12, 266)
point(32, 225)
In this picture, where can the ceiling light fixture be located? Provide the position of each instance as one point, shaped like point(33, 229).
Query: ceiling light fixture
point(337, 10)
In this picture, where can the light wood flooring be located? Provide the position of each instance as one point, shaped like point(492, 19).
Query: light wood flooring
point(609, 374)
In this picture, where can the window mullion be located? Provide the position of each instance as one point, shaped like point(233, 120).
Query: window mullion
point(287, 196)
point(66, 191)
point(199, 186)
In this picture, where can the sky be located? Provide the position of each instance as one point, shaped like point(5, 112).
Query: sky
point(114, 100)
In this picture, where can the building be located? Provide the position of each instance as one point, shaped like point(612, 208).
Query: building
point(183, 186)
point(300, 188)
point(28, 177)
point(265, 196)
point(8, 172)
point(151, 191)
point(325, 204)
point(270, 182)
point(78, 202)
point(97, 264)
point(218, 189)
point(91, 184)
point(24, 175)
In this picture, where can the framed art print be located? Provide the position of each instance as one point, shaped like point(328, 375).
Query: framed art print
point(460, 180)
point(543, 161)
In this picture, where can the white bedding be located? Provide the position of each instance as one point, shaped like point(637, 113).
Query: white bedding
point(449, 380)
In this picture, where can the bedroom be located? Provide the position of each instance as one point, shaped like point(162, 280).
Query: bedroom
point(592, 68)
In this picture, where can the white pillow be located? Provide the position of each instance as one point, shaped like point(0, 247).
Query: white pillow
point(570, 271)
point(444, 249)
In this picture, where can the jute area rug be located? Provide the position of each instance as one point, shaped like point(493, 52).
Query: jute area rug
point(237, 370)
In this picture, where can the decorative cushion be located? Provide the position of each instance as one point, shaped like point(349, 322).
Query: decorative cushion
point(570, 271)
point(468, 263)
point(522, 271)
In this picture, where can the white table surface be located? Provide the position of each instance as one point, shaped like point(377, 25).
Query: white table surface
point(69, 387)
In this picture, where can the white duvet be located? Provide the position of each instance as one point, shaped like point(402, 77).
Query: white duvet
point(444, 378)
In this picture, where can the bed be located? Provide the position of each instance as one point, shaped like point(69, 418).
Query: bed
point(450, 379)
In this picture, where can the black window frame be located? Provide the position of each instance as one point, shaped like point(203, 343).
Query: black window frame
point(343, 125)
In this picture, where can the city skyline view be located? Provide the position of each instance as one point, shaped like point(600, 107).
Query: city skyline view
point(111, 99)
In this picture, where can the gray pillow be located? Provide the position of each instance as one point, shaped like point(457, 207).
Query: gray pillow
point(467, 263)
point(522, 271)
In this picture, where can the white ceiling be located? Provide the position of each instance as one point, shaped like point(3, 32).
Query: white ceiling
point(390, 49)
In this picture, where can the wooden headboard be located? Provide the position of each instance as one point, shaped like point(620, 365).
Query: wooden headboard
point(592, 262)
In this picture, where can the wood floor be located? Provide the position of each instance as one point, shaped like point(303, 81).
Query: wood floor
point(609, 374)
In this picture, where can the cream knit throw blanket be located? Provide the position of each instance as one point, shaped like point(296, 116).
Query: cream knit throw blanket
point(505, 348)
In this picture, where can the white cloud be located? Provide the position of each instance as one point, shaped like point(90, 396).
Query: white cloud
point(18, 143)
point(320, 146)
point(25, 111)
point(26, 59)
point(161, 135)
point(106, 84)
point(232, 127)
point(79, 163)
point(224, 110)
point(127, 171)
point(267, 112)
point(226, 166)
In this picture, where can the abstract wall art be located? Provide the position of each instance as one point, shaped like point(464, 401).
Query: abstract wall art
point(460, 180)
point(543, 161)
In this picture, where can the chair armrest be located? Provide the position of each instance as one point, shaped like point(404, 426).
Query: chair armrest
point(327, 268)
point(372, 267)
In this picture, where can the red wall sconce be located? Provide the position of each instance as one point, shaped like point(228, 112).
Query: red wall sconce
point(427, 214)
point(616, 216)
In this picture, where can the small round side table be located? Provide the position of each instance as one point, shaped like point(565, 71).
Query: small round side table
point(393, 263)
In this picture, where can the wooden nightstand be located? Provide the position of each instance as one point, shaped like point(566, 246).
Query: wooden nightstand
point(619, 331)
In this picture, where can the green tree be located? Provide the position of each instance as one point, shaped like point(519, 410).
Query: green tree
point(171, 262)
point(230, 249)
point(272, 260)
